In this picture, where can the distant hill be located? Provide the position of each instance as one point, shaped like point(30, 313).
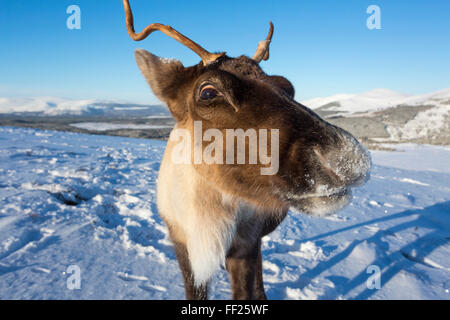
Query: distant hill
point(375, 117)
point(376, 100)
point(383, 115)
point(53, 106)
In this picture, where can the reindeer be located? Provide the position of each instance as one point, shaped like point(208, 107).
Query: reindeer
point(217, 213)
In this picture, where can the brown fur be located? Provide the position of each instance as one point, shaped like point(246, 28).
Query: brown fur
point(313, 153)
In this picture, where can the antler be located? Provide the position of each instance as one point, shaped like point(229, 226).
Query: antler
point(262, 52)
point(206, 56)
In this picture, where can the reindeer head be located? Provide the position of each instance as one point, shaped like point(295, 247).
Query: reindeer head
point(319, 163)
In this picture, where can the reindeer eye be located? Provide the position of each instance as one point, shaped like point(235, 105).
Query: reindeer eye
point(208, 92)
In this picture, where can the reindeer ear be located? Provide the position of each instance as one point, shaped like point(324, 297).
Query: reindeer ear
point(284, 84)
point(164, 77)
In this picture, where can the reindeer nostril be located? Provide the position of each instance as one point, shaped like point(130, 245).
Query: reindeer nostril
point(328, 168)
point(347, 164)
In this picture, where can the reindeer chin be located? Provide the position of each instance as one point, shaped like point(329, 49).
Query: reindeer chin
point(322, 205)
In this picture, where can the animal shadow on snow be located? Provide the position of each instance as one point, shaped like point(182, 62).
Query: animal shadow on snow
point(435, 218)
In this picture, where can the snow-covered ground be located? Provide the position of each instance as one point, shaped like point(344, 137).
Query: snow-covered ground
point(105, 126)
point(70, 199)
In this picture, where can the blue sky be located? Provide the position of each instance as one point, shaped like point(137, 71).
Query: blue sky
point(323, 47)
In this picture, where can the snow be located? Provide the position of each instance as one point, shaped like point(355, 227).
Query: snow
point(104, 126)
point(69, 199)
point(158, 117)
point(415, 157)
point(378, 99)
point(428, 123)
point(366, 101)
point(346, 103)
point(48, 105)
point(55, 106)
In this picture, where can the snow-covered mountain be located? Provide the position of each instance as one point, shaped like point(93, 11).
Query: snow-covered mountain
point(54, 106)
point(346, 103)
point(383, 115)
point(379, 115)
point(377, 99)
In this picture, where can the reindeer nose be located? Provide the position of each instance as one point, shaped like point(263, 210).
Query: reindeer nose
point(348, 162)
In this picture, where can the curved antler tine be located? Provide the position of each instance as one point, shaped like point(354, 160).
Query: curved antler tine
point(262, 52)
point(206, 56)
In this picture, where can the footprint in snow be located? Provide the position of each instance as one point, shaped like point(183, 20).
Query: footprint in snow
point(40, 270)
point(16, 244)
point(131, 277)
point(152, 288)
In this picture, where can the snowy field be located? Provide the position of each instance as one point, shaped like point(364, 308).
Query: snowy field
point(73, 199)
point(105, 126)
